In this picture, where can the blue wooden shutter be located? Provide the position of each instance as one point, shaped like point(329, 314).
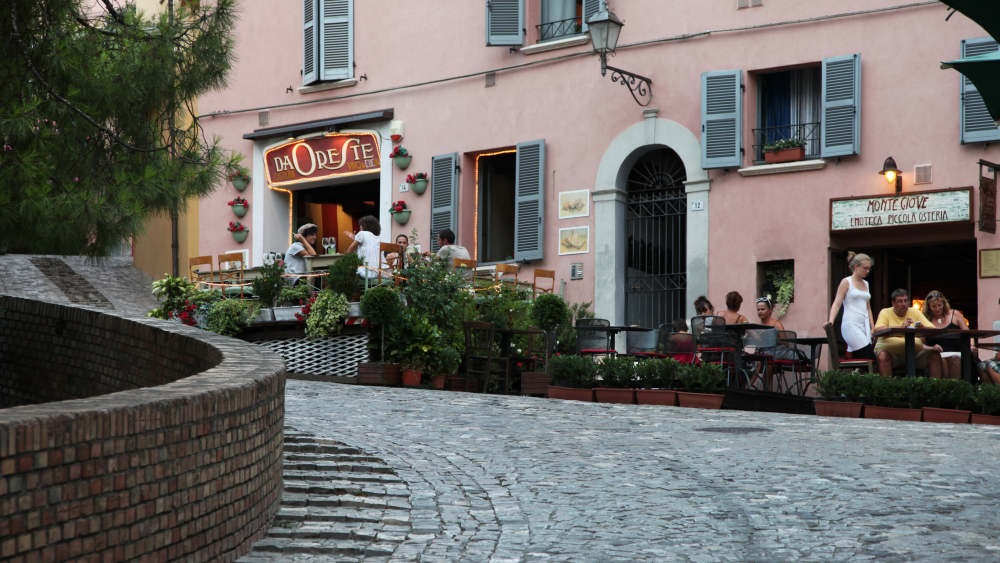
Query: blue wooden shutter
point(840, 130)
point(590, 7)
point(444, 196)
point(976, 125)
point(504, 23)
point(337, 32)
point(310, 42)
point(722, 119)
point(529, 205)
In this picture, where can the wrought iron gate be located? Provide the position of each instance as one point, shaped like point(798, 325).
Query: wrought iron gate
point(656, 227)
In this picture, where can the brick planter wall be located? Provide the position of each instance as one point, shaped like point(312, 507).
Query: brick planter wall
point(167, 449)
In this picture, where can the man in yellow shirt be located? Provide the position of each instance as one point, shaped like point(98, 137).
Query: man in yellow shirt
point(892, 351)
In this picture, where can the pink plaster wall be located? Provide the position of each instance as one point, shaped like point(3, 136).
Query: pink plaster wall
point(909, 110)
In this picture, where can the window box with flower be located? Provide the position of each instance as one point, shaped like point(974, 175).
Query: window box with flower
point(785, 150)
point(399, 212)
point(238, 231)
point(240, 179)
point(400, 157)
point(418, 182)
point(239, 206)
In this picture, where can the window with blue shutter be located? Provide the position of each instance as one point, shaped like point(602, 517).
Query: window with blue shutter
point(590, 7)
point(337, 39)
point(444, 196)
point(840, 132)
point(529, 210)
point(976, 125)
point(504, 23)
point(722, 119)
point(310, 42)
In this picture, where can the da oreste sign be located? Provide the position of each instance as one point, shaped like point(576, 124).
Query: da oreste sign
point(919, 208)
point(318, 158)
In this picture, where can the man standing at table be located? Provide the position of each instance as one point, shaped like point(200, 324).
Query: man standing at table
point(892, 351)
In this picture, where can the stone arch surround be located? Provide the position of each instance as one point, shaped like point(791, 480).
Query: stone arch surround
point(158, 442)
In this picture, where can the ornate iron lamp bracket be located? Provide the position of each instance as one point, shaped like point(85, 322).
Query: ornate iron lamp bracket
point(635, 83)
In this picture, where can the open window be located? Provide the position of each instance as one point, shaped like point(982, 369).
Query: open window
point(789, 107)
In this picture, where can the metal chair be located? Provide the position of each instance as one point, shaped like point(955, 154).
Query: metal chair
point(231, 277)
point(715, 344)
point(479, 348)
point(200, 261)
point(543, 274)
point(505, 269)
point(836, 363)
point(680, 346)
point(593, 338)
point(643, 344)
point(764, 342)
point(789, 357)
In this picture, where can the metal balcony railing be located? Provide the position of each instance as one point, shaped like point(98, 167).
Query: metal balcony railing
point(808, 132)
point(558, 29)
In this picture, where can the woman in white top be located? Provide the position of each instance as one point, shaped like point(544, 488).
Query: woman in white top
point(858, 323)
point(366, 242)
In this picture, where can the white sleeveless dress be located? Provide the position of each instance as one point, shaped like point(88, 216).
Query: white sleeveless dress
point(855, 326)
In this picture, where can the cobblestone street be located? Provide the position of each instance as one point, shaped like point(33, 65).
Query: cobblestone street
point(517, 479)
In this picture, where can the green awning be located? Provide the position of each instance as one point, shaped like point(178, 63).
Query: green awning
point(986, 13)
point(984, 72)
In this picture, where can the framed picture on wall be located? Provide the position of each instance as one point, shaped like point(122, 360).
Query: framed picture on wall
point(574, 204)
point(574, 240)
point(989, 262)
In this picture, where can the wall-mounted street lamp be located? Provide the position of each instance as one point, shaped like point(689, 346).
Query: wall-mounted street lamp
point(605, 27)
point(892, 174)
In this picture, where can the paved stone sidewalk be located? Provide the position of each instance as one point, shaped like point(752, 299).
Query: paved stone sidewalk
point(506, 479)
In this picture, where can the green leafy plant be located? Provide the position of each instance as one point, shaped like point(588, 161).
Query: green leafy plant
point(434, 290)
point(343, 275)
point(793, 143)
point(576, 371)
point(294, 296)
point(617, 373)
point(943, 393)
point(707, 378)
point(783, 277)
point(172, 292)
point(566, 341)
point(232, 316)
point(549, 311)
point(656, 373)
point(987, 399)
point(901, 393)
point(445, 361)
point(269, 284)
point(326, 314)
point(840, 385)
point(381, 306)
point(413, 340)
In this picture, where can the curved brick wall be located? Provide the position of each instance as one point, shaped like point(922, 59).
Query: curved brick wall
point(154, 442)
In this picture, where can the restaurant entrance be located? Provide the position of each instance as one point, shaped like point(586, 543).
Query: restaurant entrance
point(335, 209)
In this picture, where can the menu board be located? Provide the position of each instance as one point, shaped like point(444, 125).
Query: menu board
point(989, 263)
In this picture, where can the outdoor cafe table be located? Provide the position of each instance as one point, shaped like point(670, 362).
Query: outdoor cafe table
point(815, 344)
point(912, 333)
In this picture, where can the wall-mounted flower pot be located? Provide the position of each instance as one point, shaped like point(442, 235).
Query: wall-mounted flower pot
point(402, 162)
point(419, 187)
point(946, 415)
point(240, 184)
point(700, 400)
point(785, 155)
point(986, 419)
point(571, 394)
point(437, 381)
point(656, 397)
point(239, 210)
point(401, 217)
point(890, 413)
point(240, 236)
point(838, 409)
point(619, 396)
point(411, 377)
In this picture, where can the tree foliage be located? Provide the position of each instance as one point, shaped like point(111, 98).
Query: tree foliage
point(97, 122)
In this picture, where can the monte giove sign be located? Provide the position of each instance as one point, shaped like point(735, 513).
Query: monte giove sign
point(916, 208)
point(333, 155)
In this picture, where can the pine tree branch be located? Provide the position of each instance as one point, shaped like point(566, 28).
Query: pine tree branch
point(114, 13)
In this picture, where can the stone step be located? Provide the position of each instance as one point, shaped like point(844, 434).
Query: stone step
point(321, 449)
point(344, 488)
point(292, 516)
point(339, 458)
point(366, 477)
point(341, 531)
point(352, 467)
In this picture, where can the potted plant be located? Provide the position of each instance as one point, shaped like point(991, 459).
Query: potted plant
point(785, 150)
point(240, 179)
point(199, 304)
point(574, 378)
point(399, 212)
point(987, 402)
point(342, 276)
point(326, 314)
point(444, 363)
point(657, 379)
point(703, 386)
point(400, 157)
point(230, 317)
point(940, 400)
point(268, 286)
point(549, 312)
point(840, 391)
point(239, 206)
point(616, 381)
point(413, 340)
point(173, 292)
point(382, 308)
point(238, 231)
point(418, 182)
point(291, 301)
point(890, 399)
point(412, 368)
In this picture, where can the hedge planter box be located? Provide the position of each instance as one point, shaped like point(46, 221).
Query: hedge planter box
point(889, 413)
point(379, 374)
point(535, 383)
point(700, 400)
point(619, 396)
point(240, 236)
point(838, 409)
point(785, 155)
point(946, 415)
point(656, 397)
point(985, 419)
point(411, 378)
point(286, 314)
point(571, 394)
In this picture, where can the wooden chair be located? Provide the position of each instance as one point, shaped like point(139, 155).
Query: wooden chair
point(237, 276)
point(543, 274)
point(479, 349)
point(396, 262)
point(537, 354)
point(505, 269)
point(199, 261)
point(836, 363)
point(463, 263)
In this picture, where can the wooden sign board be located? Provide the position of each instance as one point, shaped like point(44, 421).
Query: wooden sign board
point(989, 263)
point(987, 205)
point(915, 208)
point(333, 155)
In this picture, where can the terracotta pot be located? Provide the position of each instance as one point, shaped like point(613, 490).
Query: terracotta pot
point(619, 396)
point(571, 394)
point(985, 419)
point(700, 400)
point(371, 373)
point(946, 415)
point(836, 408)
point(889, 413)
point(785, 155)
point(656, 397)
point(437, 381)
point(411, 377)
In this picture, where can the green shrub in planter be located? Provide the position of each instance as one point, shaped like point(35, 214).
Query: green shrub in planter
point(901, 393)
point(840, 386)
point(343, 275)
point(578, 371)
point(295, 296)
point(987, 399)
point(657, 373)
point(942, 393)
point(232, 316)
point(708, 378)
point(381, 306)
point(269, 284)
point(548, 312)
point(327, 314)
point(617, 373)
point(444, 361)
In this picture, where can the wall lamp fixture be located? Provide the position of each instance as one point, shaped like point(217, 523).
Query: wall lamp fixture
point(605, 27)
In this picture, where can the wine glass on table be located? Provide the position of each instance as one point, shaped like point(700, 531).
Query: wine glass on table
point(326, 245)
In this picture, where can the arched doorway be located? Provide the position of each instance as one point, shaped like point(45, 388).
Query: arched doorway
point(656, 239)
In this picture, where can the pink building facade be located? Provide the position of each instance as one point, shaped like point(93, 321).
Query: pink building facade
point(536, 159)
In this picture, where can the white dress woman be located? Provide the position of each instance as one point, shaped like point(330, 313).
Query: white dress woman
point(858, 323)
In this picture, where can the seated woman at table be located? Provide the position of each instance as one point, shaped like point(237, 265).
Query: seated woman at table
point(989, 370)
point(938, 310)
point(703, 307)
point(305, 241)
point(764, 309)
point(732, 313)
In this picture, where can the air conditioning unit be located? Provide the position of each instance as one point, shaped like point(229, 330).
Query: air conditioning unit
point(923, 174)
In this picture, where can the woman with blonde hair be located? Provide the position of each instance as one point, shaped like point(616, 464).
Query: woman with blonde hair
point(858, 323)
point(938, 310)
